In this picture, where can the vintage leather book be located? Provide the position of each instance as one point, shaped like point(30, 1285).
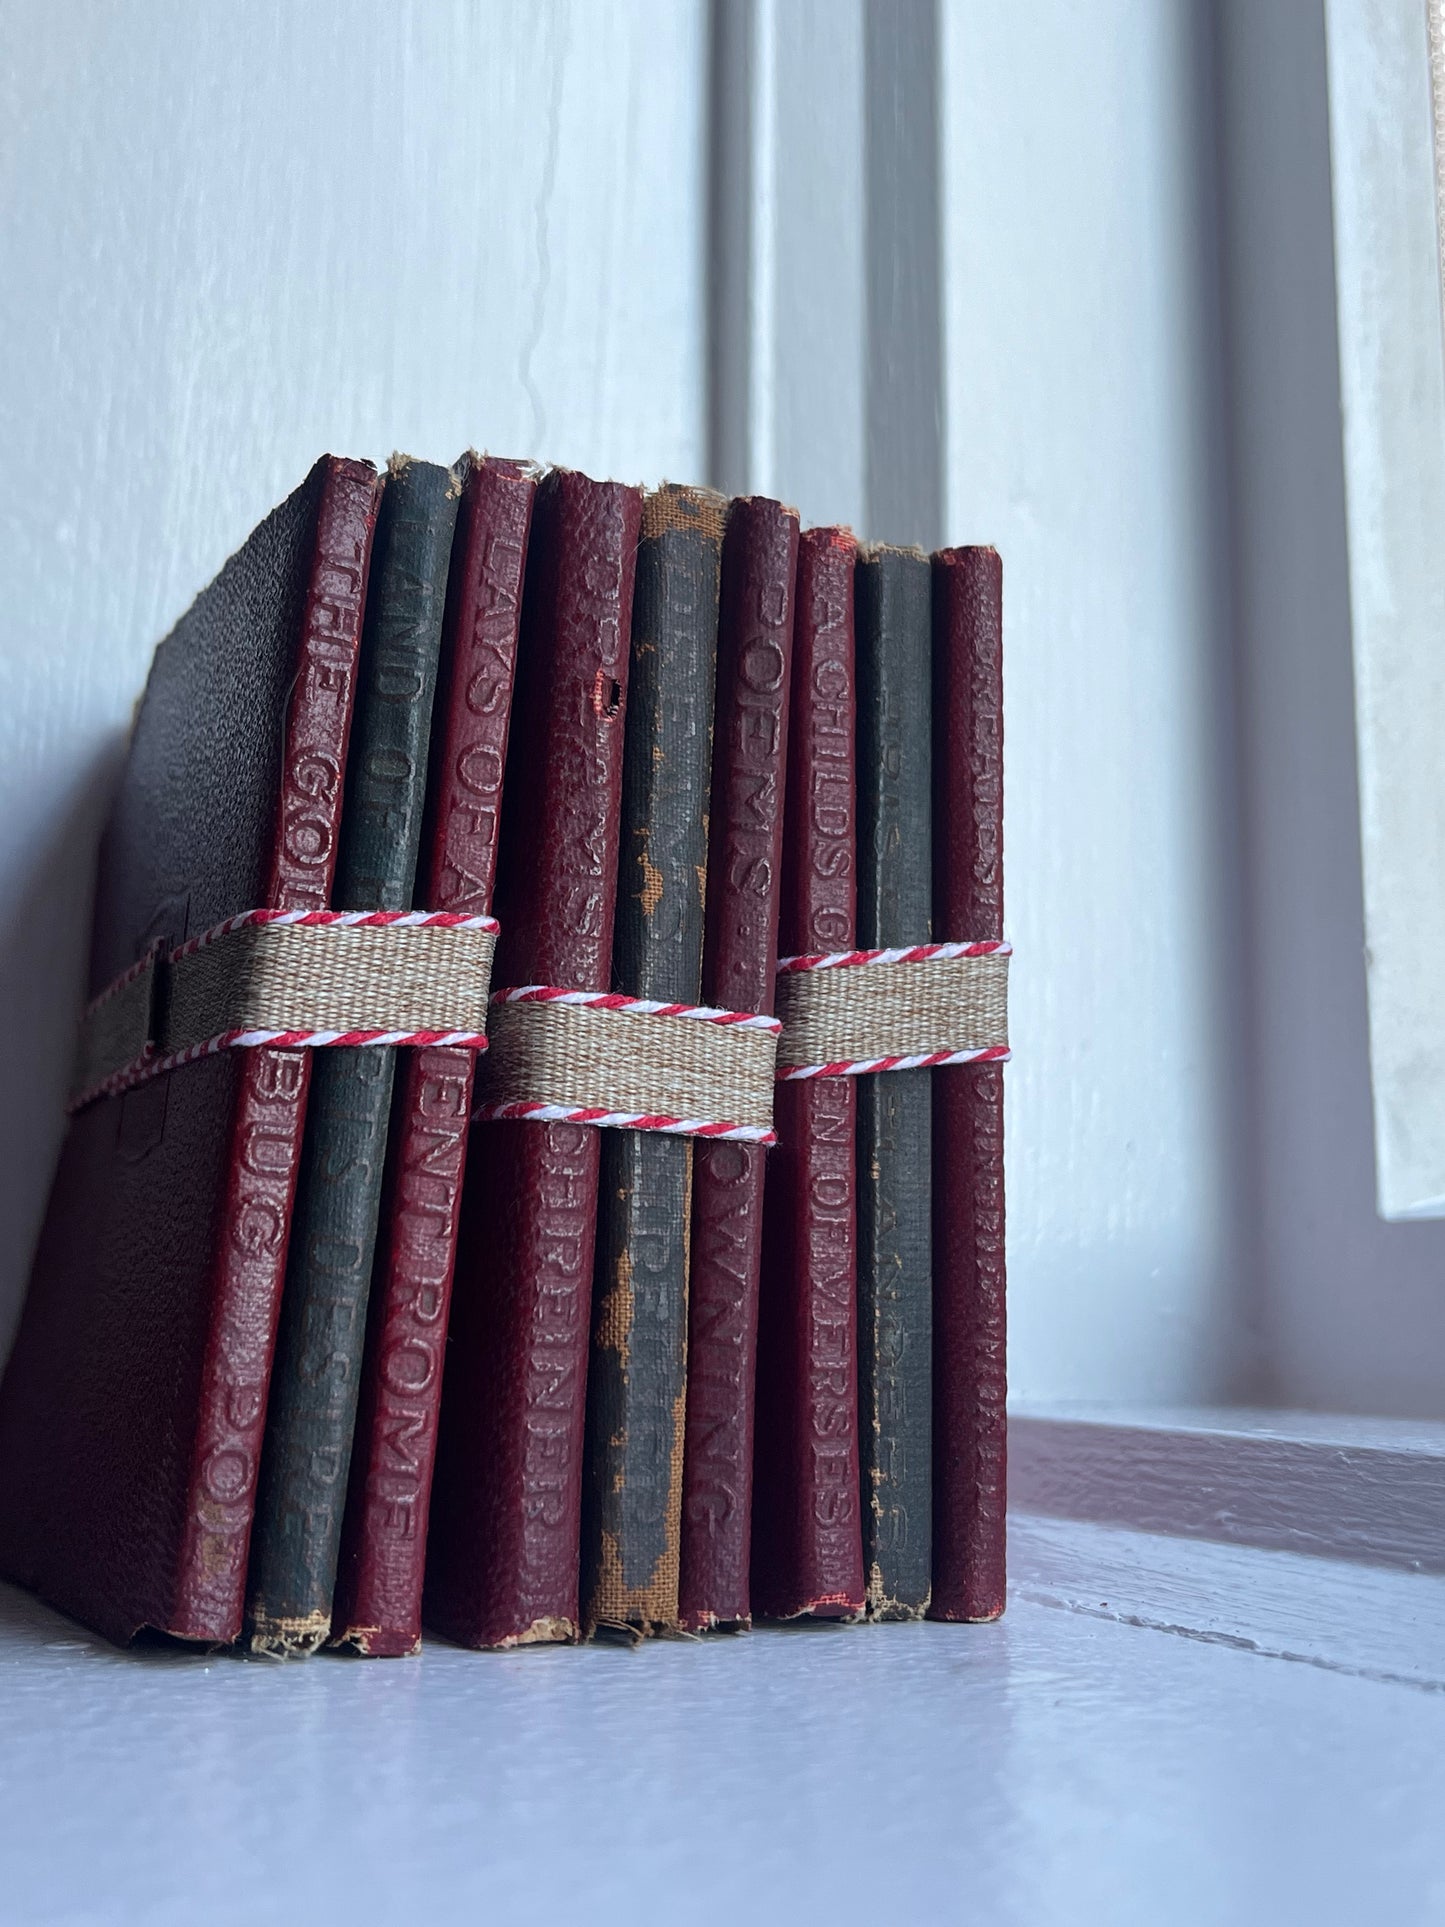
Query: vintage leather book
point(895, 1193)
point(740, 953)
point(132, 1412)
point(317, 1369)
point(502, 1554)
point(807, 1551)
point(969, 1327)
point(377, 1604)
point(632, 1496)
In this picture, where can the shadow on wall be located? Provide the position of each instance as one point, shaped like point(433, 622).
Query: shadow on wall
point(44, 937)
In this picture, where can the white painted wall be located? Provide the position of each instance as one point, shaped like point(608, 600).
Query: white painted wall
point(1083, 400)
point(1352, 1309)
point(233, 237)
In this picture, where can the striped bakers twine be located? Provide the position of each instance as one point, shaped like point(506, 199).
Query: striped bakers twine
point(632, 1063)
point(850, 1013)
point(291, 979)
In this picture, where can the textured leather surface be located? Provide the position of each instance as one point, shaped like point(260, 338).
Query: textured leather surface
point(632, 1493)
point(502, 1555)
point(755, 641)
point(317, 1369)
point(895, 1201)
point(969, 1321)
point(377, 1604)
point(132, 1411)
point(807, 1548)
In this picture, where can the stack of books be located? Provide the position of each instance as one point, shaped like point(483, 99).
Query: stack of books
point(535, 1163)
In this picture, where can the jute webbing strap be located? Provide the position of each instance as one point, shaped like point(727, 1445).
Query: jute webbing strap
point(595, 1057)
point(292, 979)
point(852, 1012)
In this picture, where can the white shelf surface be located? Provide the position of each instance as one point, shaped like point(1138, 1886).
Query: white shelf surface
point(1158, 1732)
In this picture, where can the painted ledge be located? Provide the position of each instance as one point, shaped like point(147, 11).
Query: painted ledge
point(1368, 1491)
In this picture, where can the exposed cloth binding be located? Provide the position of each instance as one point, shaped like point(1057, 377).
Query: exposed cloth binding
point(291, 979)
point(849, 1013)
point(596, 1057)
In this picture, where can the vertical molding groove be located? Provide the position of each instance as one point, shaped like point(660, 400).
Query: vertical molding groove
point(905, 388)
point(825, 363)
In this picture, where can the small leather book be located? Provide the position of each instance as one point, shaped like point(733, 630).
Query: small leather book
point(377, 1605)
point(895, 1110)
point(502, 1553)
point(807, 1548)
point(132, 1411)
point(632, 1497)
point(740, 954)
point(969, 1327)
point(317, 1369)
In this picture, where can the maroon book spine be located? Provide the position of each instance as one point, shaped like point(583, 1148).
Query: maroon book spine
point(807, 1551)
point(270, 1109)
point(969, 1322)
point(502, 1555)
point(377, 1609)
point(740, 954)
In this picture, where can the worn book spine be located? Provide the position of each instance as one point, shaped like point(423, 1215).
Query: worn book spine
point(807, 1551)
point(377, 1604)
point(317, 1369)
point(132, 1410)
point(895, 1136)
point(969, 1325)
point(632, 1497)
point(270, 1114)
point(740, 954)
point(503, 1551)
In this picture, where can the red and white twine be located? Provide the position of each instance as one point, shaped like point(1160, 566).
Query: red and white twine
point(906, 954)
point(543, 1113)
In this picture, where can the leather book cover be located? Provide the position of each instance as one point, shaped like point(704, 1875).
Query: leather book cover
point(970, 1430)
point(895, 1110)
point(377, 1604)
point(317, 1368)
point(503, 1550)
point(632, 1495)
point(132, 1410)
point(807, 1549)
point(740, 955)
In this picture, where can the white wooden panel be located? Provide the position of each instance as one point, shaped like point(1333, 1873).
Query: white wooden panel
point(233, 237)
point(1083, 402)
point(1351, 1308)
point(1392, 377)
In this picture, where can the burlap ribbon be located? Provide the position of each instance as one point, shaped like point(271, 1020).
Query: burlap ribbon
point(851, 1013)
point(306, 979)
point(594, 1057)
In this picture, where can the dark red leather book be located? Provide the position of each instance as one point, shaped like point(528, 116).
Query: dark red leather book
point(502, 1555)
point(969, 1324)
point(132, 1411)
point(807, 1548)
point(377, 1605)
point(740, 954)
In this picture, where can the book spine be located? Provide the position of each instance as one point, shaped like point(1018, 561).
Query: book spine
point(502, 1554)
point(969, 1323)
point(317, 1368)
point(377, 1605)
point(632, 1496)
point(807, 1551)
point(895, 1229)
point(250, 1260)
point(740, 955)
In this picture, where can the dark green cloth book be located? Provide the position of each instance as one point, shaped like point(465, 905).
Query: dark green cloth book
point(895, 1256)
point(632, 1518)
point(314, 1382)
